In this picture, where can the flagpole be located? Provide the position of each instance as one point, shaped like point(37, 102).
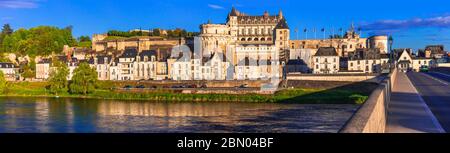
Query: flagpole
point(332, 31)
point(315, 33)
point(306, 33)
point(323, 31)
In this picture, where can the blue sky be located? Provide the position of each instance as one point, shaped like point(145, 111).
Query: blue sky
point(413, 23)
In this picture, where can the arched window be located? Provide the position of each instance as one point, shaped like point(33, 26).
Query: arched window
point(263, 39)
point(249, 39)
point(256, 39)
point(242, 39)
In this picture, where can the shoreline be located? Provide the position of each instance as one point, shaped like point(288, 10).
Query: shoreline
point(347, 94)
point(206, 98)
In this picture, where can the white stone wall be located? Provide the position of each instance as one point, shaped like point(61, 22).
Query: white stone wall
point(42, 71)
point(366, 66)
point(262, 52)
point(326, 64)
point(417, 63)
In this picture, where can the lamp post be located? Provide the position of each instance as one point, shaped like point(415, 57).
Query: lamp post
point(391, 56)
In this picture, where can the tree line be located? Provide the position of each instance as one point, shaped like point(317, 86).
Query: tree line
point(84, 80)
point(177, 33)
point(41, 40)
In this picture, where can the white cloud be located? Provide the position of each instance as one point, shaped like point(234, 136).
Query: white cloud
point(16, 4)
point(6, 18)
point(213, 6)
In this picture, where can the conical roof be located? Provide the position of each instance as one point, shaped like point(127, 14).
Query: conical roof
point(282, 24)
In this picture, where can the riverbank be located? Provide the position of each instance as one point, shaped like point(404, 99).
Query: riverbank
point(347, 94)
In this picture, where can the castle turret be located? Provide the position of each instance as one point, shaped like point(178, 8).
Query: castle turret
point(280, 15)
point(282, 37)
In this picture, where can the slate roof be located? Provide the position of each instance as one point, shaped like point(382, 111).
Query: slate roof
point(365, 54)
point(129, 53)
point(296, 62)
point(436, 49)
point(7, 65)
point(101, 59)
point(282, 24)
point(148, 53)
point(326, 51)
point(45, 61)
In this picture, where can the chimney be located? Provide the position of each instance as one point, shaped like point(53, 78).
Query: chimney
point(158, 54)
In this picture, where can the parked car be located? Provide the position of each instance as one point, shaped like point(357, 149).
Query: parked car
point(192, 86)
point(177, 86)
point(203, 86)
point(424, 68)
point(128, 87)
point(243, 86)
point(140, 86)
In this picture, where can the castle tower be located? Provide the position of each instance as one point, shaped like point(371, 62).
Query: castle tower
point(232, 22)
point(282, 37)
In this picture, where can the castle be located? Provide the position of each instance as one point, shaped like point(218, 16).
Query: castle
point(261, 37)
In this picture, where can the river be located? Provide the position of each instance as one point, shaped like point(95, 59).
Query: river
point(71, 115)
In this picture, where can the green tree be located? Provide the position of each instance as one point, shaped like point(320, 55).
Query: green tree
point(58, 78)
point(6, 31)
point(42, 40)
point(156, 32)
point(2, 82)
point(84, 79)
point(84, 38)
point(84, 41)
point(28, 71)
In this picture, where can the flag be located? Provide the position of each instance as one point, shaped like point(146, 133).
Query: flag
point(340, 29)
point(323, 29)
point(305, 30)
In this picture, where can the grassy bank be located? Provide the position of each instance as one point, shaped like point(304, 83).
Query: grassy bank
point(349, 94)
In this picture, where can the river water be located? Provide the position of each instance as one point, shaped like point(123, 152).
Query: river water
point(69, 115)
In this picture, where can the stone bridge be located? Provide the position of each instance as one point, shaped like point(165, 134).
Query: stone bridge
point(394, 107)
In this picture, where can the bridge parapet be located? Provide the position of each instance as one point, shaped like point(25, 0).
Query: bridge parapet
point(371, 117)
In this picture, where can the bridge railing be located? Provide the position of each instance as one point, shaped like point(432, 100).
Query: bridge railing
point(371, 117)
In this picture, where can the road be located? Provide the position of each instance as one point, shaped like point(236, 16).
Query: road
point(435, 90)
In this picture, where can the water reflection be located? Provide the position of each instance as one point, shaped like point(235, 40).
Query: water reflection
point(85, 116)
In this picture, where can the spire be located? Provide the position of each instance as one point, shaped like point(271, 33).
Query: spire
point(352, 27)
point(280, 14)
point(209, 21)
point(234, 12)
point(266, 14)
